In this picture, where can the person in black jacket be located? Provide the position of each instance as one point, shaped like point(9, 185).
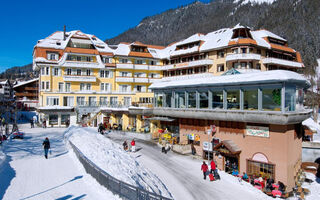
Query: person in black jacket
point(318, 175)
point(46, 147)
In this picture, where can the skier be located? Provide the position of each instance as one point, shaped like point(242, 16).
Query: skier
point(204, 168)
point(133, 145)
point(46, 147)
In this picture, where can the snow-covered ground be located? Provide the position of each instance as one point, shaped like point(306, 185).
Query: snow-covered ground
point(314, 187)
point(183, 177)
point(26, 174)
point(111, 157)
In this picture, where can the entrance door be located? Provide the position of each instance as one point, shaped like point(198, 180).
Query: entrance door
point(230, 164)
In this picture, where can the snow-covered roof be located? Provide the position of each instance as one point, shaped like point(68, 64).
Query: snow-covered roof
point(193, 38)
point(122, 50)
point(311, 124)
point(25, 82)
point(266, 33)
point(56, 41)
point(273, 76)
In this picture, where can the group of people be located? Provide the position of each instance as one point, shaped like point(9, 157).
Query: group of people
point(213, 173)
point(126, 147)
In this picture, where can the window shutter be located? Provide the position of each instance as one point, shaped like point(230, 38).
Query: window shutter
point(48, 56)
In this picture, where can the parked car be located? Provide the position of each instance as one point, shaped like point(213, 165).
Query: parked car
point(17, 135)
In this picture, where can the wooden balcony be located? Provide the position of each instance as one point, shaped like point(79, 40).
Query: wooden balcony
point(31, 88)
point(26, 94)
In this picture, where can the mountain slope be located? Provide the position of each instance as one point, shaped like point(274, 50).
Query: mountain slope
point(296, 20)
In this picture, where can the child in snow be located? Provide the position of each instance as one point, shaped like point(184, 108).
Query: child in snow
point(204, 168)
point(46, 147)
point(133, 145)
point(125, 145)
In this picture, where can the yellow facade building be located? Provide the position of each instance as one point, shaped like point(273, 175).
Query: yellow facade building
point(85, 81)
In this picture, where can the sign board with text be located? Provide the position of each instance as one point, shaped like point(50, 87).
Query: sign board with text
point(258, 131)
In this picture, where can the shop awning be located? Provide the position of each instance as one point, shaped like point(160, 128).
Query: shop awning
point(166, 119)
point(227, 147)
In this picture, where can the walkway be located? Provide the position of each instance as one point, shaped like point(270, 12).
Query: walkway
point(26, 174)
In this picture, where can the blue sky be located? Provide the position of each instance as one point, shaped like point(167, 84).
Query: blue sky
point(23, 22)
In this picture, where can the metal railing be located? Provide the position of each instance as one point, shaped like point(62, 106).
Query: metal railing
point(124, 190)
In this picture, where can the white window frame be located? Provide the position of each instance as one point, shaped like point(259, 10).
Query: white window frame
point(52, 101)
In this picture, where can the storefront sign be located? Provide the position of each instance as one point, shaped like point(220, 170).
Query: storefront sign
point(191, 136)
point(207, 146)
point(259, 131)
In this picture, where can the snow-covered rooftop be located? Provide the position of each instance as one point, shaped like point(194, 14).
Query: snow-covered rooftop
point(25, 82)
point(273, 76)
point(56, 41)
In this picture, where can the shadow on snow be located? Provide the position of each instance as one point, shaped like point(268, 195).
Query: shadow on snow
point(7, 173)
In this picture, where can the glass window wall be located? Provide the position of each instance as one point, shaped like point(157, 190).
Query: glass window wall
point(159, 98)
point(192, 99)
point(250, 99)
point(290, 99)
point(233, 99)
point(217, 99)
point(180, 100)
point(204, 100)
point(271, 99)
point(168, 99)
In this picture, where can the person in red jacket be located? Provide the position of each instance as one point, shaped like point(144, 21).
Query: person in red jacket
point(213, 166)
point(133, 145)
point(204, 168)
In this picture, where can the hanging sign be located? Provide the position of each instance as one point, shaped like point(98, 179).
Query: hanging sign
point(207, 146)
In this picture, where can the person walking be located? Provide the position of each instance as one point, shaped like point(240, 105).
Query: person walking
point(31, 123)
point(204, 168)
point(133, 145)
point(125, 145)
point(163, 149)
point(44, 123)
point(213, 166)
point(46, 147)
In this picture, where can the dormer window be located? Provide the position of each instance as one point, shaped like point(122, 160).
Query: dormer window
point(276, 41)
point(188, 46)
point(139, 49)
point(52, 56)
point(122, 60)
point(106, 60)
point(241, 33)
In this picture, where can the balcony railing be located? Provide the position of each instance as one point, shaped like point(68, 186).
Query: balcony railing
point(141, 80)
point(282, 62)
point(124, 66)
point(141, 67)
point(243, 56)
point(124, 79)
point(194, 63)
point(79, 78)
point(155, 68)
point(117, 104)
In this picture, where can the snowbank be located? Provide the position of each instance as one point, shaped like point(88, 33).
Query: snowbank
point(312, 125)
point(314, 187)
point(110, 157)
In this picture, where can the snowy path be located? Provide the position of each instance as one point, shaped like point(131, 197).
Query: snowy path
point(28, 175)
point(183, 177)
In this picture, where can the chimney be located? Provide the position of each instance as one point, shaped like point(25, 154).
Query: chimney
point(64, 32)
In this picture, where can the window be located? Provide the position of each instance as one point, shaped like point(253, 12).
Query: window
point(79, 72)
point(258, 51)
point(114, 101)
point(80, 101)
point(52, 56)
point(243, 50)
point(88, 72)
point(235, 51)
point(60, 87)
point(159, 98)
point(103, 101)
point(82, 86)
point(52, 101)
point(92, 101)
point(220, 68)
point(42, 85)
point(47, 70)
point(122, 60)
point(217, 99)
point(101, 86)
point(104, 87)
point(168, 99)
point(250, 99)
point(180, 100)
point(69, 71)
point(258, 66)
point(220, 54)
point(124, 74)
point(68, 101)
point(42, 70)
point(127, 101)
point(204, 100)
point(152, 62)
point(192, 99)
point(53, 119)
point(56, 71)
point(138, 61)
point(124, 88)
point(64, 119)
point(102, 73)
point(258, 168)
point(271, 99)
point(139, 88)
point(88, 86)
point(106, 60)
point(290, 99)
point(47, 85)
point(233, 99)
point(68, 87)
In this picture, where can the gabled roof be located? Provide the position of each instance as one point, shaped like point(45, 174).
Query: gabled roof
point(229, 145)
point(25, 82)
